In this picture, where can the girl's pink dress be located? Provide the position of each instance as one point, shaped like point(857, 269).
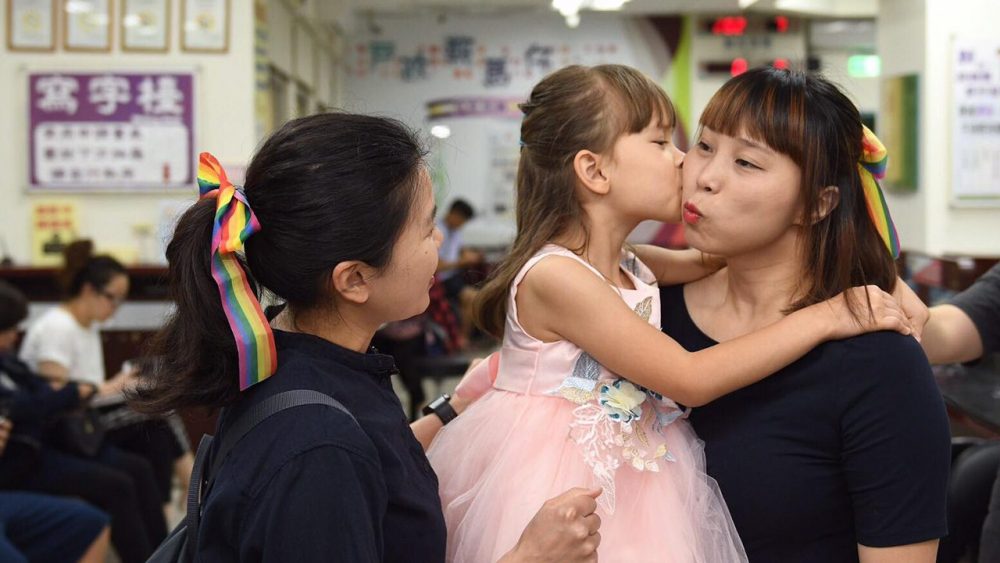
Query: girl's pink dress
point(556, 419)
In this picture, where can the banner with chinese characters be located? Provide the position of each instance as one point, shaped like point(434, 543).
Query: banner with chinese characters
point(111, 131)
point(465, 58)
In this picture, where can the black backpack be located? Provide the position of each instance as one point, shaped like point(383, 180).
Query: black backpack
point(179, 546)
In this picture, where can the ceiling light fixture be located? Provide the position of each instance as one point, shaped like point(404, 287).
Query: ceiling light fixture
point(570, 9)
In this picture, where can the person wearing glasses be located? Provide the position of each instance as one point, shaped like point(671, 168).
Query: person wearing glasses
point(64, 345)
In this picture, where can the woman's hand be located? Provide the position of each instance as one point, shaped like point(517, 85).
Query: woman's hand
point(884, 313)
point(915, 309)
point(86, 391)
point(478, 379)
point(564, 530)
point(124, 379)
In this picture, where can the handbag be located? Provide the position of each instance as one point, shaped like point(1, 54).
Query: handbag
point(180, 545)
point(78, 432)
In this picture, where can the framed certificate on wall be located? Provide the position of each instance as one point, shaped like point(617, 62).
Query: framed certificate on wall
point(87, 25)
point(31, 25)
point(205, 26)
point(145, 25)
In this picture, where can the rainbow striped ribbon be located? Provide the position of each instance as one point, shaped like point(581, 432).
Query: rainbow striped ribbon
point(234, 223)
point(874, 161)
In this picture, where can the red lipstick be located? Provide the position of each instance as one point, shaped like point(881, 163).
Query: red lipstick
point(691, 214)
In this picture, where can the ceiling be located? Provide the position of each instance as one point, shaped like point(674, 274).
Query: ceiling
point(831, 8)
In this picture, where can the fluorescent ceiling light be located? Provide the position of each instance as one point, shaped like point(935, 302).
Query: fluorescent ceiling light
point(441, 131)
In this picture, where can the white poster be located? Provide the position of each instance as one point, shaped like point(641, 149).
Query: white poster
point(976, 122)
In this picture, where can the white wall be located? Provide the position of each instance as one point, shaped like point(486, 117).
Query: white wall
point(304, 51)
point(914, 36)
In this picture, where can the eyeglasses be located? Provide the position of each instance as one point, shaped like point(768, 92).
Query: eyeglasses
point(115, 300)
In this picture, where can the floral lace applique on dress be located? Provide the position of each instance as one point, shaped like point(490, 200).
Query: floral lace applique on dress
point(617, 422)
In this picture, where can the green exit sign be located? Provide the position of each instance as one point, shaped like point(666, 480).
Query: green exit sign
point(864, 66)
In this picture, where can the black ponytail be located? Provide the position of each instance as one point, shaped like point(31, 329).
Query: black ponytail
point(196, 345)
point(326, 189)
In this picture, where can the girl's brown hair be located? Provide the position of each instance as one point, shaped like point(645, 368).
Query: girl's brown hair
point(809, 119)
point(572, 109)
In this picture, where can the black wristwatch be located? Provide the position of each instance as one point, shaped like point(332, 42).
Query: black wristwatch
point(442, 408)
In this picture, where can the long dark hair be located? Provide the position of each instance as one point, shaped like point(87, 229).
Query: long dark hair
point(326, 188)
point(572, 109)
point(81, 268)
point(809, 119)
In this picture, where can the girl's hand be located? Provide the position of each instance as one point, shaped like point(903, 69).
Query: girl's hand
point(884, 313)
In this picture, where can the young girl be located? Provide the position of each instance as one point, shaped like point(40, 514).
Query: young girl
point(586, 387)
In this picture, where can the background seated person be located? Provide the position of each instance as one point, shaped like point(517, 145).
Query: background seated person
point(44, 529)
point(119, 483)
point(454, 260)
point(64, 344)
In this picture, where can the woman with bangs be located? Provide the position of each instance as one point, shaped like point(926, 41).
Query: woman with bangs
point(585, 382)
point(842, 455)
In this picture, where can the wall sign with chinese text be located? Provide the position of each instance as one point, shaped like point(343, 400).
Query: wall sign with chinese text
point(464, 57)
point(975, 121)
point(111, 131)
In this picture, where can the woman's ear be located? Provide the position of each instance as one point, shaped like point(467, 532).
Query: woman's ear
point(589, 168)
point(829, 198)
point(350, 281)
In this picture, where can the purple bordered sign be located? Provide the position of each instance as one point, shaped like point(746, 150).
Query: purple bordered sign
point(111, 131)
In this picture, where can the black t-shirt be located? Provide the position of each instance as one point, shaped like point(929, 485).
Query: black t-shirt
point(309, 485)
point(848, 445)
point(982, 303)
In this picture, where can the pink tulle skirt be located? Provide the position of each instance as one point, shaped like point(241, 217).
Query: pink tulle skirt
point(508, 453)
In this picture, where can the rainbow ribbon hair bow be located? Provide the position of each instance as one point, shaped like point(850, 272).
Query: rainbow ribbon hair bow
point(874, 161)
point(234, 223)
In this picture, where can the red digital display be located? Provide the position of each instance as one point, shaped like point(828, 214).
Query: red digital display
point(738, 67)
point(729, 25)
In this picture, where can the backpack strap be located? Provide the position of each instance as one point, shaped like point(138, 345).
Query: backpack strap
point(241, 427)
point(267, 408)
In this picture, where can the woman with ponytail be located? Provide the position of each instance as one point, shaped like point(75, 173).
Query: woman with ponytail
point(336, 224)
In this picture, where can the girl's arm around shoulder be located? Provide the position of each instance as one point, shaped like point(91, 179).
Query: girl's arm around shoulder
point(673, 267)
point(559, 299)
